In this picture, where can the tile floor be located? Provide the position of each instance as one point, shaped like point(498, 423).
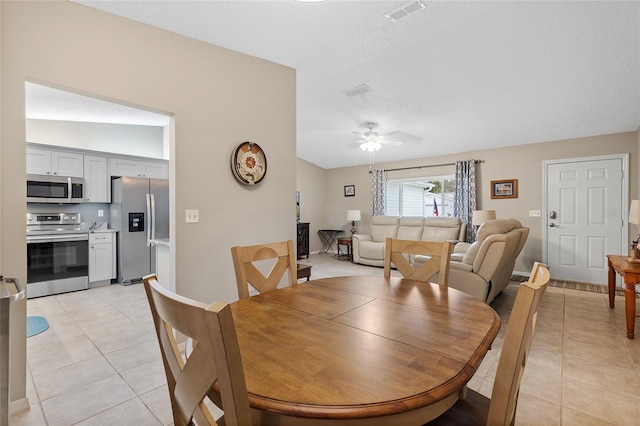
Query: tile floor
point(98, 364)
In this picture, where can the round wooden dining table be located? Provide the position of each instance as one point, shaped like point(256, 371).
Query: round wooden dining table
point(360, 350)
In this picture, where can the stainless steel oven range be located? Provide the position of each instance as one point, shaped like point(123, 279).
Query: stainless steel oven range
point(57, 254)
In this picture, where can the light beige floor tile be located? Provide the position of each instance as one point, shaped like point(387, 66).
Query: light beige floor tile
point(134, 355)
point(31, 393)
point(612, 378)
point(55, 337)
point(159, 403)
point(534, 411)
point(31, 417)
point(596, 351)
point(575, 418)
point(132, 412)
point(604, 338)
point(62, 356)
point(108, 326)
point(86, 401)
point(542, 383)
point(146, 377)
point(632, 345)
point(122, 339)
point(73, 376)
point(596, 402)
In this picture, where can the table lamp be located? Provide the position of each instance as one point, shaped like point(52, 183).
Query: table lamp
point(634, 217)
point(353, 216)
point(481, 216)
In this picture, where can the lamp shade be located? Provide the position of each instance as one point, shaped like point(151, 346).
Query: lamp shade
point(634, 212)
point(353, 215)
point(481, 216)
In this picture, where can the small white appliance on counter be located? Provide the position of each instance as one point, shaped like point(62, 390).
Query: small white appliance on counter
point(57, 254)
point(140, 214)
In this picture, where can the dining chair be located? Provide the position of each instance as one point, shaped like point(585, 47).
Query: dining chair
point(477, 409)
point(438, 255)
point(244, 259)
point(215, 358)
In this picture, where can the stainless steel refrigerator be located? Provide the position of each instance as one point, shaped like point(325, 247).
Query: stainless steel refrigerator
point(140, 214)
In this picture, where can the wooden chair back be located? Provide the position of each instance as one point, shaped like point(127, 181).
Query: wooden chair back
point(516, 346)
point(439, 253)
point(476, 409)
point(215, 357)
point(248, 274)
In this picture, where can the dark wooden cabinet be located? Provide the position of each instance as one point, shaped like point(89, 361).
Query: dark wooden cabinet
point(303, 240)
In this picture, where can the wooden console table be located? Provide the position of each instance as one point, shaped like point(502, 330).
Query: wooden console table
point(630, 272)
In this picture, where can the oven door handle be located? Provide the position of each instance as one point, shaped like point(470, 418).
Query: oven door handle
point(56, 239)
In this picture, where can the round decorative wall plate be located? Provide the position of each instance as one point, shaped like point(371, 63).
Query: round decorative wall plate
point(249, 163)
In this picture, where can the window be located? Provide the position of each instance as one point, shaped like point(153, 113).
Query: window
point(426, 197)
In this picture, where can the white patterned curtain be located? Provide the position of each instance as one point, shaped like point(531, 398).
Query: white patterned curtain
point(378, 192)
point(465, 195)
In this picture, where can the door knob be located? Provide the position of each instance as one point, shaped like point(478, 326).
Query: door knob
point(552, 225)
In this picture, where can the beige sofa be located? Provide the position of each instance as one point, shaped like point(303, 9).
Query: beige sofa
point(484, 268)
point(368, 249)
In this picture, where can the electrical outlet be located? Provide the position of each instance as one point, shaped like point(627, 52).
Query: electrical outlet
point(100, 213)
point(192, 216)
point(534, 213)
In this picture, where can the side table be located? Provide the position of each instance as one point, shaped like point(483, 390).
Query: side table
point(328, 238)
point(345, 241)
point(303, 271)
point(630, 272)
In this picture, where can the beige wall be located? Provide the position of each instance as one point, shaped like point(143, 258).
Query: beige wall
point(311, 182)
point(218, 98)
point(517, 162)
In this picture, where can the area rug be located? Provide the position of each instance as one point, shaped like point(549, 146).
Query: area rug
point(594, 288)
point(36, 325)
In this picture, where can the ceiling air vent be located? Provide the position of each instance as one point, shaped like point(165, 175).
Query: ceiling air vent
point(405, 10)
point(358, 90)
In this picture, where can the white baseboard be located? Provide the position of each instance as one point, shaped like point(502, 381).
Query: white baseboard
point(19, 405)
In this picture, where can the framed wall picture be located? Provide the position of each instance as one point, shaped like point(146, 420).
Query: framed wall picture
point(349, 190)
point(504, 188)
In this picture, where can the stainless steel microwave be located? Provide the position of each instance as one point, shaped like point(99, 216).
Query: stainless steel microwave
point(54, 189)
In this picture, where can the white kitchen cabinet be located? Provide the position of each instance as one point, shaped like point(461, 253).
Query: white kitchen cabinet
point(96, 180)
point(136, 168)
point(51, 162)
point(101, 258)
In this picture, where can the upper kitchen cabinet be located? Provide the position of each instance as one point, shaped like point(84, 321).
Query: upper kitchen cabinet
point(51, 162)
point(138, 168)
point(96, 180)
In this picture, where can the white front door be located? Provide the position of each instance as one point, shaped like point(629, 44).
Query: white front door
point(586, 200)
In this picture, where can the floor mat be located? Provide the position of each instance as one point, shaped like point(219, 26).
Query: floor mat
point(594, 288)
point(36, 325)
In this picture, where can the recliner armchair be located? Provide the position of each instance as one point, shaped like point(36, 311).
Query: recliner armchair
point(484, 268)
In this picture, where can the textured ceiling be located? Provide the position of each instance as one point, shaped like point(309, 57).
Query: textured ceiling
point(460, 76)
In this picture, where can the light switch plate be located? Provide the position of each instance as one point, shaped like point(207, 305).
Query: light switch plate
point(192, 216)
point(534, 213)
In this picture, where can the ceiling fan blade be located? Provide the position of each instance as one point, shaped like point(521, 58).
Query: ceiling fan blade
point(400, 137)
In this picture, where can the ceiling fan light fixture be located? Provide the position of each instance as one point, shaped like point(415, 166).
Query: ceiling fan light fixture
point(370, 146)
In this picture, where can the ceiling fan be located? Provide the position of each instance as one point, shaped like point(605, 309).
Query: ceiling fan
point(371, 141)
